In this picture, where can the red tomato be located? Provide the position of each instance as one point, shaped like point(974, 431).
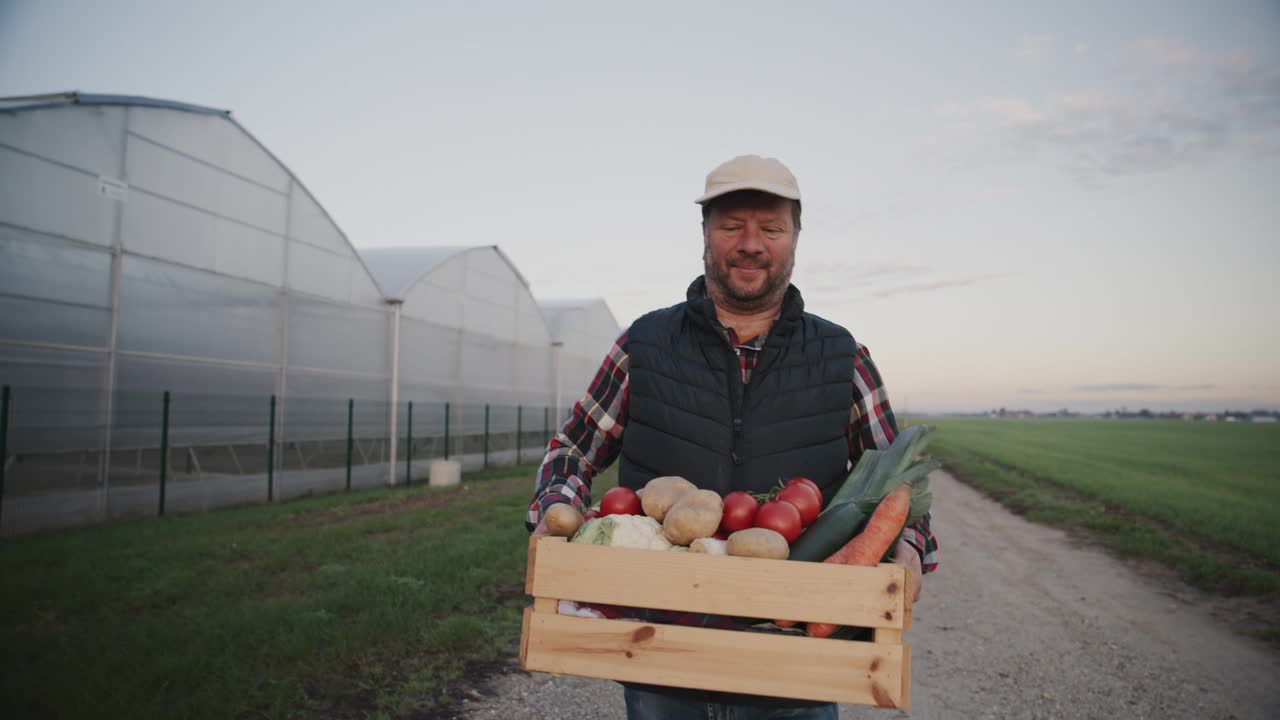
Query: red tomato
point(620, 501)
point(720, 535)
point(804, 500)
point(739, 511)
point(806, 482)
point(781, 517)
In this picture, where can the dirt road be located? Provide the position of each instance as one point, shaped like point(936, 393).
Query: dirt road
point(1019, 622)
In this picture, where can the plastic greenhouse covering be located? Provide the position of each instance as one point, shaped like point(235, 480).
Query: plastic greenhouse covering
point(183, 326)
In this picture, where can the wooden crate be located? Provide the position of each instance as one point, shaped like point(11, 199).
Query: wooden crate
point(868, 673)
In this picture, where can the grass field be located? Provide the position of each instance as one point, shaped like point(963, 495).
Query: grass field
point(372, 605)
point(1202, 497)
point(356, 606)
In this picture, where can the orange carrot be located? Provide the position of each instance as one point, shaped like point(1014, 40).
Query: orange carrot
point(868, 546)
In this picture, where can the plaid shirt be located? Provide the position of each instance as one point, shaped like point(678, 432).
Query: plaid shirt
point(591, 439)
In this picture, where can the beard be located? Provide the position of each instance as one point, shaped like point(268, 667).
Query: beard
point(747, 296)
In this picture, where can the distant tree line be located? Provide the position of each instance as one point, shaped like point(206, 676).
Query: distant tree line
point(1125, 413)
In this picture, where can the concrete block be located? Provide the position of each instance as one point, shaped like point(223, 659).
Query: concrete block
point(444, 473)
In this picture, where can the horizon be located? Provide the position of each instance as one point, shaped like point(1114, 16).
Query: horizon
point(1033, 207)
point(1155, 414)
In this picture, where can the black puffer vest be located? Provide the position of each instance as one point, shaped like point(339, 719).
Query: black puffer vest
point(689, 413)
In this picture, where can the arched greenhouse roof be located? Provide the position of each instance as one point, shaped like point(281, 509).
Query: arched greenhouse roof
point(398, 269)
point(565, 317)
point(212, 169)
point(475, 288)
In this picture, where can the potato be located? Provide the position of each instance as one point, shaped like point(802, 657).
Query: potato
point(759, 543)
point(709, 546)
point(563, 520)
point(661, 493)
point(696, 515)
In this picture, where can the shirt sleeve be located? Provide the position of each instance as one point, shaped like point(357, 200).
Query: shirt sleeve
point(871, 421)
point(872, 425)
point(588, 442)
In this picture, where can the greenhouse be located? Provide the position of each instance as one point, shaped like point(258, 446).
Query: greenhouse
point(473, 347)
point(582, 332)
point(169, 289)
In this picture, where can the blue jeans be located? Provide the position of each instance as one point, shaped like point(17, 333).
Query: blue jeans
point(646, 705)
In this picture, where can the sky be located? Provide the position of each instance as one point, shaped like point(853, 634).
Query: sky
point(1024, 205)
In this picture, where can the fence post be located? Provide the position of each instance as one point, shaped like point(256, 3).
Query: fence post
point(408, 449)
point(351, 407)
point(446, 431)
point(4, 441)
point(519, 430)
point(164, 448)
point(271, 453)
point(486, 435)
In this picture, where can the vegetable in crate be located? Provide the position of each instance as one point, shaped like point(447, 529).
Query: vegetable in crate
point(740, 509)
point(624, 531)
point(870, 545)
point(757, 543)
point(620, 501)
point(694, 516)
point(563, 520)
point(781, 517)
point(662, 493)
point(877, 473)
point(806, 482)
point(709, 546)
point(806, 501)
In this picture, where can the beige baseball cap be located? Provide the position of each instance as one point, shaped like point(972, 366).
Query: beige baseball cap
point(751, 172)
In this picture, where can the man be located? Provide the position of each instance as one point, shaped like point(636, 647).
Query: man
point(732, 389)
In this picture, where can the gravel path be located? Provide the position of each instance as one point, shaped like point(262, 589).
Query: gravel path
point(1019, 622)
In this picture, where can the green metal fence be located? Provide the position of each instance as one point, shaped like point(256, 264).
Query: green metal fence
point(184, 452)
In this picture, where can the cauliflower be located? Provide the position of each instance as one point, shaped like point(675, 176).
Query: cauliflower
point(629, 531)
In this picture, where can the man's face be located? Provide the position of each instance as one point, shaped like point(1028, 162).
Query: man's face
point(749, 252)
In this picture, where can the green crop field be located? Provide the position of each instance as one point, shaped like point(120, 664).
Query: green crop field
point(1210, 489)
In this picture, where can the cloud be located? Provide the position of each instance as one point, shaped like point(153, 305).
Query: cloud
point(1160, 51)
point(1117, 387)
point(1138, 387)
point(1036, 47)
point(843, 282)
point(837, 277)
point(1178, 104)
point(933, 285)
point(862, 271)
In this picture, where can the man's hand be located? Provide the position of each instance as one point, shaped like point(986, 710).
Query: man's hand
point(542, 528)
point(909, 557)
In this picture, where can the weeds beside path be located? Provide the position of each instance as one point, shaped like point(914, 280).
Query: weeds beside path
point(1111, 502)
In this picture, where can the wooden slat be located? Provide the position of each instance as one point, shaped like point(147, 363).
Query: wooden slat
point(740, 662)
point(524, 636)
point(743, 587)
point(908, 592)
point(885, 635)
point(528, 569)
point(906, 676)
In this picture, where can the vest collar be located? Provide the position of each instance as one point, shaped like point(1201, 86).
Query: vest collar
point(704, 310)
